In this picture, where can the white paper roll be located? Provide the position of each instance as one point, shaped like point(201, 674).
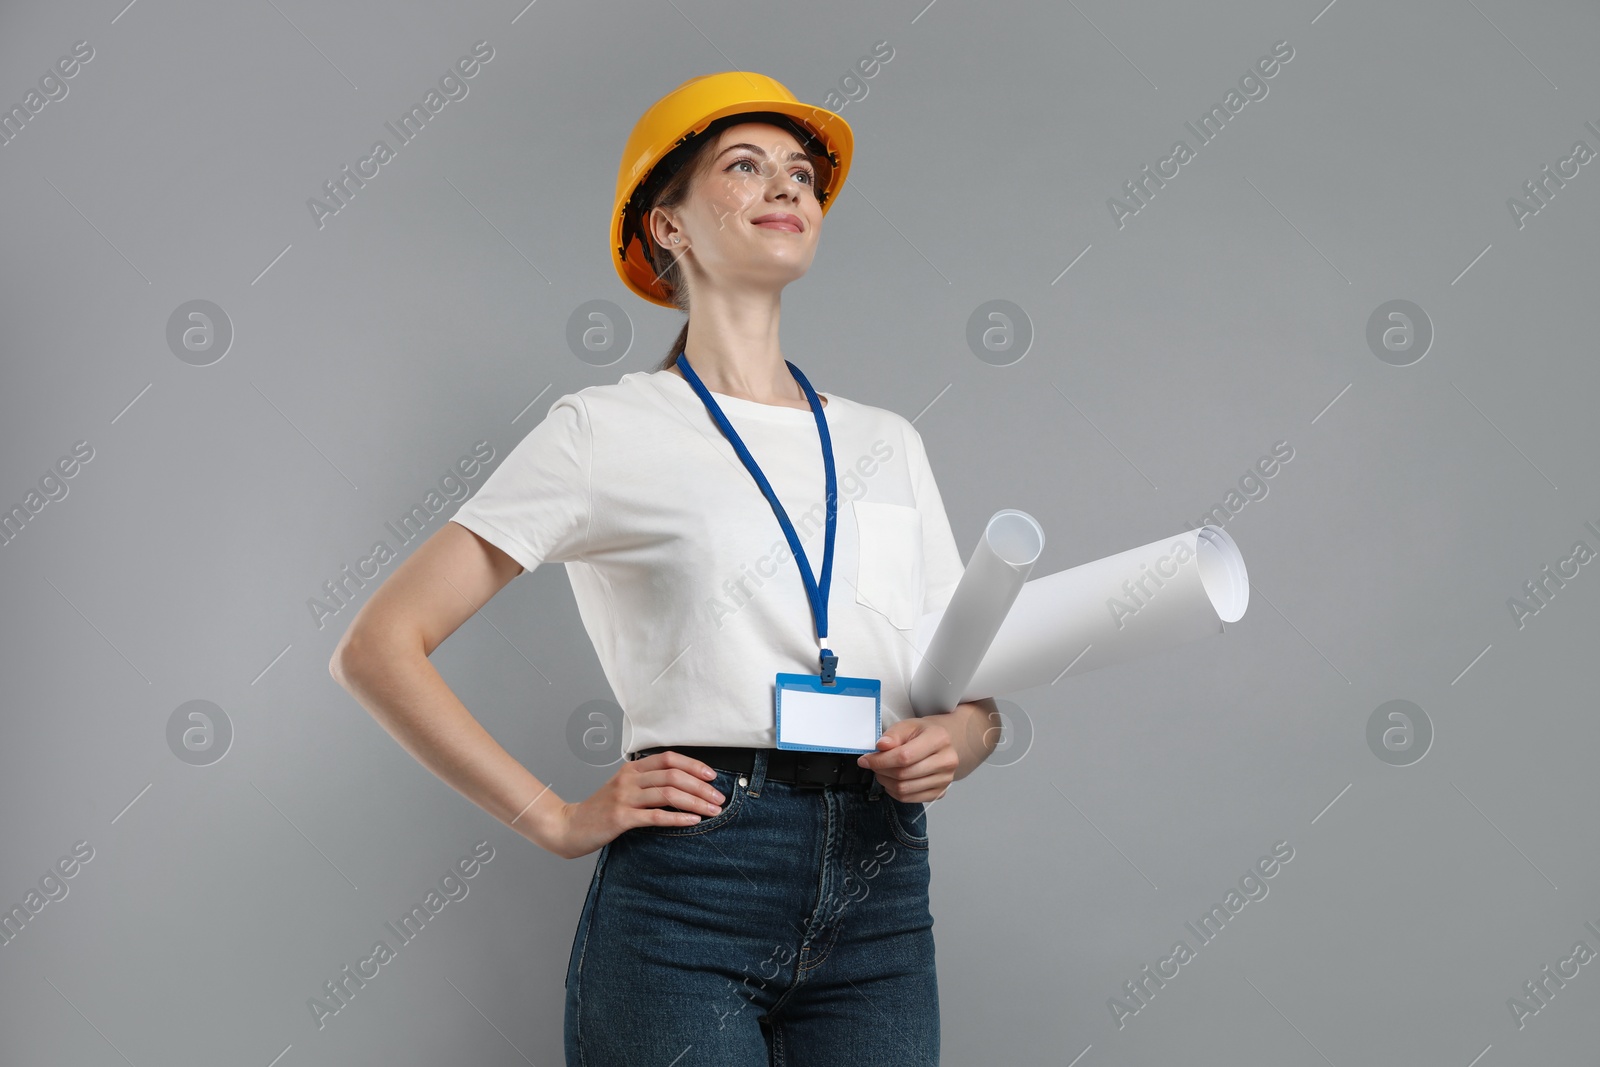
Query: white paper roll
point(1131, 604)
point(1006, 553)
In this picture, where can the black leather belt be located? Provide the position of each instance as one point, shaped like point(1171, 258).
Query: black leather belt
point(790, 765)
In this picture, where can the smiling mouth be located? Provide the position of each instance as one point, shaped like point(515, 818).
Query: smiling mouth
point(779, 224)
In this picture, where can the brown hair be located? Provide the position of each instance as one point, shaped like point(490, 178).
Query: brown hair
point(673, 177)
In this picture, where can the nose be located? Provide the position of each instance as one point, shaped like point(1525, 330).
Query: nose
point(783, 183)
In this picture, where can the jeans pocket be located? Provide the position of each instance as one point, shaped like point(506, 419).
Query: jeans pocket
point(908, 822)
point(889, 560)
point(726, 783)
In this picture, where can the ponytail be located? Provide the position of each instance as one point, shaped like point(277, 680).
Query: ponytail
point(677, 346)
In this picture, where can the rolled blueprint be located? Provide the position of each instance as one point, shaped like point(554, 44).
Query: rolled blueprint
point(1131, 604)
point(1006, 552)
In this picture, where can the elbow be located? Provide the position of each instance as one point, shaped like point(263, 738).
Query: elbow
point(342, 665)
point(336, 666)
point(364, 651)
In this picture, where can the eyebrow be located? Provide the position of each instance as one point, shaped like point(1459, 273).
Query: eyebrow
point(760, 151)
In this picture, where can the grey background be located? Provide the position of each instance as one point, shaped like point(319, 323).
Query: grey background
point(432, 312)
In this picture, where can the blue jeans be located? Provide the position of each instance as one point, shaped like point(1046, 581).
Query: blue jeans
point(791, 929)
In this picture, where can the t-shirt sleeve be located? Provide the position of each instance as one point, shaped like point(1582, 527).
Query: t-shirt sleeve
point(941, 559)
point(535, 507)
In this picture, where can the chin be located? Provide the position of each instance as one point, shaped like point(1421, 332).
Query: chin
point(783, 275)
point(779, 268)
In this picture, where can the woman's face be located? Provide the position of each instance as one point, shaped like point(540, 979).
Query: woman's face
point(757, 171)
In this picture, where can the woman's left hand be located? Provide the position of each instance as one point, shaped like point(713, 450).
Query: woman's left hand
point(916, 758)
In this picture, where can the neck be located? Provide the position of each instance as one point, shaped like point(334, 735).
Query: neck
point(733, 346)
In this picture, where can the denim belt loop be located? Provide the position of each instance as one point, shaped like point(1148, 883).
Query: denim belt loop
point(876, 789)
point(758, 773)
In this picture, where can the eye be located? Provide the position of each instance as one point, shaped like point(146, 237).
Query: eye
point(810, 176)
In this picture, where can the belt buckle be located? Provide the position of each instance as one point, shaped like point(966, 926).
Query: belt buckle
point(806, 772)
point(822, 767)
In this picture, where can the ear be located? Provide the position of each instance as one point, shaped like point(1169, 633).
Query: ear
point(663, 227)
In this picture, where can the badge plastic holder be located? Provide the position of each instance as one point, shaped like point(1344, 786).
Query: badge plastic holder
point(842, 687)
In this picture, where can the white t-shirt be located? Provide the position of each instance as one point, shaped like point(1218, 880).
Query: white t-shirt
point(681, 572)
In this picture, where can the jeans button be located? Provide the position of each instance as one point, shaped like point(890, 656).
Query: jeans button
point(743, 781)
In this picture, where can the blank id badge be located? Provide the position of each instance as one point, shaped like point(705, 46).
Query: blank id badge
point(844, 717)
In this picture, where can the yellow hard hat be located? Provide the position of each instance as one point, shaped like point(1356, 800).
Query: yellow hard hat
point(663, 133)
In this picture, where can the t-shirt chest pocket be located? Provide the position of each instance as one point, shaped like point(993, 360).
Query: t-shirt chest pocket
point(889, 565)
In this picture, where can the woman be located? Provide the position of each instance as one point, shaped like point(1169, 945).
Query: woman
point(751, 902)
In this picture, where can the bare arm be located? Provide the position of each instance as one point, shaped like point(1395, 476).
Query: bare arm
point(382, 659)
point(978, 733)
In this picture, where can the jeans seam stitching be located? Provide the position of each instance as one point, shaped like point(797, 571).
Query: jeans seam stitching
point(588, 926)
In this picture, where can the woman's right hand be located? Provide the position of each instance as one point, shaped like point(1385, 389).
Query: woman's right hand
point(637, 795)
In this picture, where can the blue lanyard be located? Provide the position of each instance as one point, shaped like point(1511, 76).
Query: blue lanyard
point(818, 595)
